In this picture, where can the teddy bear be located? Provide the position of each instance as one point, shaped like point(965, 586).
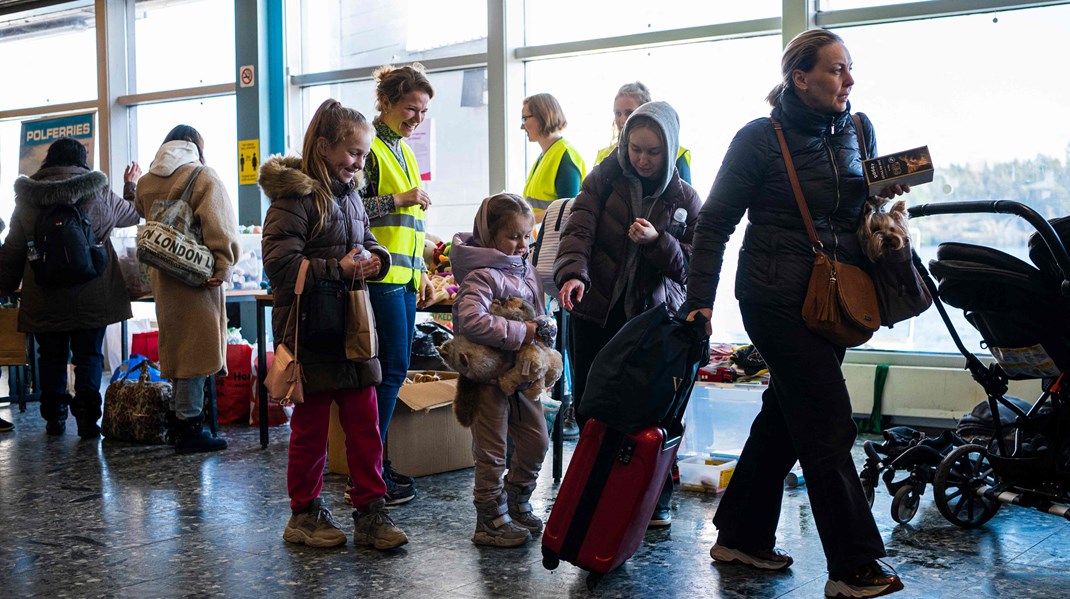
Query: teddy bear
point(535, 366)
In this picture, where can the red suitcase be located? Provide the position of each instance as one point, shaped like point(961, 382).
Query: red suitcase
point(607, 497)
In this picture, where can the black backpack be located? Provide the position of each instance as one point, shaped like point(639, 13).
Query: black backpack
point(644, 375)
point(65, 250)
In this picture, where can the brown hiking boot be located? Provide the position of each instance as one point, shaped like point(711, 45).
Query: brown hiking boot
point(519, 501)
point(314, 526)
point(495, 528)
point(374, 528)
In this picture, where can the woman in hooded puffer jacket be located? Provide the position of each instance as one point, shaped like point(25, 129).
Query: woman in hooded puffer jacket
point(68, 319)
point(626, 245)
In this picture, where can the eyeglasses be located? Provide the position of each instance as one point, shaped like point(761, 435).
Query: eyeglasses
point(525, 117)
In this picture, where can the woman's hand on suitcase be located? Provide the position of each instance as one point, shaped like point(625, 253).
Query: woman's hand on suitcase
point(213, 282)
point(572, 286)
point(706, 312)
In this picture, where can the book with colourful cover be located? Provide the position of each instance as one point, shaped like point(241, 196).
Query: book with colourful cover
point(911, 167)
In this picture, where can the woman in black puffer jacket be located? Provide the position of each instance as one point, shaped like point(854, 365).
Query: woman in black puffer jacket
point(806, 411)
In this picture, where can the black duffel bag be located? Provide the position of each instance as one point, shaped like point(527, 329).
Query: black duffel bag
point(644, 375)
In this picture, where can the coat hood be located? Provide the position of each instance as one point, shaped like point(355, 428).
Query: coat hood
point(662, 116)
point(58, 185)
point(466, 255)
point(282, 177)
point(172, 155)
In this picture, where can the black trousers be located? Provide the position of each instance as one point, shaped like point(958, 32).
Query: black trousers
point(805, 415)
point(585, 340)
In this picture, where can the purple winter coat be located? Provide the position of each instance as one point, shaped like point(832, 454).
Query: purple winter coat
point(484, 275)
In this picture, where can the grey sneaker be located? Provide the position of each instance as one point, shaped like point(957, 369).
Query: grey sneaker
point(769, 559)
point(374, 528)
point(495, 528)
point(315, 527)
point(519, 499)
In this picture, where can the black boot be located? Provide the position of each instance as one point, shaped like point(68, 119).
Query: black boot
point(87, 411)
point(172, 427)
point(54, 411)
point(192, 438)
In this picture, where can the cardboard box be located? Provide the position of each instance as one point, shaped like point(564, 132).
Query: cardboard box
point(912, 167)
point(706, 473)
point(424, 438)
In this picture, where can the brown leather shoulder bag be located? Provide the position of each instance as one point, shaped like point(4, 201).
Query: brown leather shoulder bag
point(841, 302)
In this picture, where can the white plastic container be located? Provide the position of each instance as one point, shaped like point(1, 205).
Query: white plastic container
point(706, 474)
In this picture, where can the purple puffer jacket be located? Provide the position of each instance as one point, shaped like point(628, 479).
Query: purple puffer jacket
point(484, 275)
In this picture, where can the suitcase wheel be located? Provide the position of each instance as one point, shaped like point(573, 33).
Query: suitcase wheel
point(550, 560)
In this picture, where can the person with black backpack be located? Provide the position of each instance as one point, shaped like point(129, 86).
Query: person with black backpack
point(626, 246)
point(72, 289)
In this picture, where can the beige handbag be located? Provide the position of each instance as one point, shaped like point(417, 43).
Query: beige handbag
point(362, 342)
point(285, 381)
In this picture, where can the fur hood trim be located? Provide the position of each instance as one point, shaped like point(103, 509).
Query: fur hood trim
point(44, 190)
point(281, 177)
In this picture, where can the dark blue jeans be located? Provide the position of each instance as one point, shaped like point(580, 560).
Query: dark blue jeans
point(395, 321)
point(55, 349)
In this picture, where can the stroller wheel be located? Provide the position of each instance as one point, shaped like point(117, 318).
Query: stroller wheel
point(905, 503)
point(958, 477)
point(868, 488)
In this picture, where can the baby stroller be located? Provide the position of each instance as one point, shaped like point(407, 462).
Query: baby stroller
point(1022, 314)
point(905, 449)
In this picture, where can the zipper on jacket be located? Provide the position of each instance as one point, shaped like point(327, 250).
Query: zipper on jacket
point(836, 206)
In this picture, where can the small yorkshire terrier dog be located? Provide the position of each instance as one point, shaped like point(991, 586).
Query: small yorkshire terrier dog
point(883, 230)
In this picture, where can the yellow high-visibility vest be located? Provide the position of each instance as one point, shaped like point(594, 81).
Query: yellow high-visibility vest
point(539, 190)
point(402, 231)
point(606, 150)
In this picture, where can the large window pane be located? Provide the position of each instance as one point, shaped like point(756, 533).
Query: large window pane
point(554, 21)
point(458, 121)
point(49, 56)
point(337, 34)
point(713, 103)
point(183, 43)
point(212, 117)
point(993, 121)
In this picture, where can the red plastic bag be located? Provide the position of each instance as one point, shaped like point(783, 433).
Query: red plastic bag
point(234, 392)
point(146, 344)
point(277, 415)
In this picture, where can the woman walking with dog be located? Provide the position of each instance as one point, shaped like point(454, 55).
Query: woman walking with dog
point(806, 411)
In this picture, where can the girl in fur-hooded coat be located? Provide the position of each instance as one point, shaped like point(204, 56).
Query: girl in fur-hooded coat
point(287, 240)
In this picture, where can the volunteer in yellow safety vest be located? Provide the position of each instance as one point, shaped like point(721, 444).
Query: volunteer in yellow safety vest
point(396, 207)
point(629, 97)
point(559, 170)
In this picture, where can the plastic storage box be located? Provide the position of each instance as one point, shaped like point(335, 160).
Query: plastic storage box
point(707, 474)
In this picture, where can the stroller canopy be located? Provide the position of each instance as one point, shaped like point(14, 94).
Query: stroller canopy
point(1017, 309)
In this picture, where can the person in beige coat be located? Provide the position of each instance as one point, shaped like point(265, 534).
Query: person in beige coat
point(193, 320)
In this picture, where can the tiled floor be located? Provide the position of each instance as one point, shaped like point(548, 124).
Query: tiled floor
point(104, 519)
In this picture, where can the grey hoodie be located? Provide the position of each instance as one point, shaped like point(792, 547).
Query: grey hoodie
point(662, 116)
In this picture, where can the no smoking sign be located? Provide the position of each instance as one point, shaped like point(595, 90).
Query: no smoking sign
point(246, 78)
